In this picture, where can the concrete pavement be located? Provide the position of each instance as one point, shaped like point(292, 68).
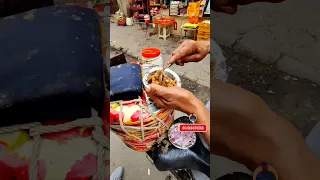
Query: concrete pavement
point(286, 34)
point(293, 98)
point(137, 166)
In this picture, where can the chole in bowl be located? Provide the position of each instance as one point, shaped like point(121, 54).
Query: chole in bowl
point(167, 72)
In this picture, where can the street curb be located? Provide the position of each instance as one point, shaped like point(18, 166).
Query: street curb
point(121, 49)
point(283, 62)
point(182, 75)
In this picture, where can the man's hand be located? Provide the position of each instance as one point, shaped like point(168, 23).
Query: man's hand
point(190, 51)
point(244, 129)
point(174, 98)
point(182, 100)
point(231, 6)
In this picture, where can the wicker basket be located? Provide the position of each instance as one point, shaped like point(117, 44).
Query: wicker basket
point(146, 123)
point(142, 134)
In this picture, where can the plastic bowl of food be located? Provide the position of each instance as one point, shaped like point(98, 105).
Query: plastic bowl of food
point(165, 78)
point(181, 140)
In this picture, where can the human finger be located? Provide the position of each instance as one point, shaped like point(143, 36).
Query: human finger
point(157, 94)
point(173, 58)
point(160, 102)
point(183, 52)
point(179, 62)
point(152, 93)
point(184, 43)
point(184, 49)
point(157, 91)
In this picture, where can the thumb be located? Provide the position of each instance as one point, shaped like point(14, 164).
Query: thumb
point(156, 93)
point(173, 59)
point(155, 90)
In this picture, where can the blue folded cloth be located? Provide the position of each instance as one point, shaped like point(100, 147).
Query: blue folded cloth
point(125, 82)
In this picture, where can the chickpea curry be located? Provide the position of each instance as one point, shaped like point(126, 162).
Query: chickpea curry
point(159, 77)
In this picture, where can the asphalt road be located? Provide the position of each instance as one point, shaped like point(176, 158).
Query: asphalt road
point(296, 99)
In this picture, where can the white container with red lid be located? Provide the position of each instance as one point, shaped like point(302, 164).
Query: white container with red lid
point(151, 57)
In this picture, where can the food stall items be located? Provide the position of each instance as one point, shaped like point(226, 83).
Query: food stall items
point(204, 30)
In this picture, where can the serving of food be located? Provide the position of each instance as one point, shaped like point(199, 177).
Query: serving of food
point(157, 75)
point(160, 78)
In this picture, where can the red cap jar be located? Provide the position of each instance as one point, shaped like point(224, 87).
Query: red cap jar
point(151, 57)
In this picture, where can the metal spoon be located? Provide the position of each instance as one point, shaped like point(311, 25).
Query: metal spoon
point(167, 67)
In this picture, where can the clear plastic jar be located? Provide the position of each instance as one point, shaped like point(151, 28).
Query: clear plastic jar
point(151, 57)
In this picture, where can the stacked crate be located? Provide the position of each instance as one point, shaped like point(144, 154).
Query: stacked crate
point(203, 30)
point(174, 8)
point(194, 12)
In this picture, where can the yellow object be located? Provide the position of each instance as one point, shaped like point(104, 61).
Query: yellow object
point(203, 30)
point(199, 38)
point(14, 139)
point(194, 9)
point(194, 12)
point(204, 26)
point(189, 25)
point(129, 111)
point(194, 5)
point(114, 105)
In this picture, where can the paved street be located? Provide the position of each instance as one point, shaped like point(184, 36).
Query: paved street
point(295, 99)
point(286, 34)
point(135, 163)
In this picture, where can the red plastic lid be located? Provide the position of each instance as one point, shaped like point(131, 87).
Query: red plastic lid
point(150, 52)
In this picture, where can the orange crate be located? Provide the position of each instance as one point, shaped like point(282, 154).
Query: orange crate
point(204, 37)
point(194, 5)
point(204, 29)
point(193, 20)
point(193, 13)
point(203, 24)
point(193, 9)
point(201, 33)
point(201, 39)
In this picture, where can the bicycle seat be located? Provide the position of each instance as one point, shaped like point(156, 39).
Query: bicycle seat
point(196, 158)
point(51, 65)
